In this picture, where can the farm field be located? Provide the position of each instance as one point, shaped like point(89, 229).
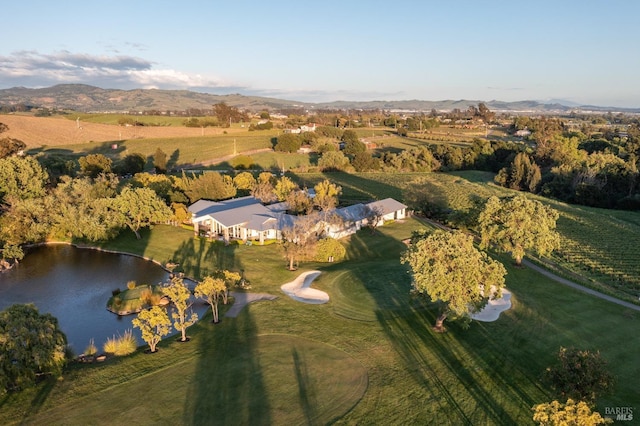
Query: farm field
point(37, 132)
point(367, 356)
point(180, 150)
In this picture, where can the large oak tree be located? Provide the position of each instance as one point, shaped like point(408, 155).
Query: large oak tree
point(448, 269)
point(515, 225)
point(31, 346)
point(140, 207)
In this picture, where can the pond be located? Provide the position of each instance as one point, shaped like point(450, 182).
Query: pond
point(74, 286)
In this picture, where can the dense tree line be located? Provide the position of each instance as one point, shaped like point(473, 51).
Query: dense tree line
point(597, 169)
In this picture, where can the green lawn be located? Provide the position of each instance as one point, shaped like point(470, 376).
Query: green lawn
point(180, 151)
point(598, 244)
point(368, 356)
point(114, 119)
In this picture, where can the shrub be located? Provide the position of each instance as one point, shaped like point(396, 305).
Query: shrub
point(242, 162)
point(117, 302)
point(91, 349)
point(327, 249)
point(288, 142)
point(154, 298)
point(145, 296)
point(127, 344)
point(111, 345)
point(121, 345)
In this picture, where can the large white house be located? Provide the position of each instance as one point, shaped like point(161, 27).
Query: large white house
point(246, 218)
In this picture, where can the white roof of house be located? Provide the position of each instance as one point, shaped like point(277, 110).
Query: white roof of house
point(386, 206)
point(259, 222)
point(251, 213)
point(278, 207)
point(352, 213)
point(201, 205)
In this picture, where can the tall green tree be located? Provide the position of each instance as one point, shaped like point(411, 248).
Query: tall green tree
point(522, 174)
point(81, 211)
point(352, 144)
point(26, 221)
point(244, 182)
point(140, 207)
point(326, 198)
point(579, 374)
point(288, 142)
point(332, 161)
point(154, 324)
point(94, 164)
point(31, 345)
point(299, 203)
point(22, 177)
point(227, 114)
point(517, 224)
point(284, 187)
point(448, 269)
point(132, 164)
point(160, 161)
point(211, 290)
point(180, 294)
point(364, 161)
point(210, 186)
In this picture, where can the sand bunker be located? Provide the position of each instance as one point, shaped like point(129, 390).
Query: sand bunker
point(494, 308)
point(300, 290)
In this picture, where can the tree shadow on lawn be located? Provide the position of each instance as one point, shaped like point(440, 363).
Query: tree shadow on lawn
point(228, 386)
point(305, 389)
point(464, 384)
point(198, 257)
point(461, 372)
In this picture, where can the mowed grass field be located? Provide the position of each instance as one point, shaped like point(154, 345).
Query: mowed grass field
point(597, 244)
point(368, 356)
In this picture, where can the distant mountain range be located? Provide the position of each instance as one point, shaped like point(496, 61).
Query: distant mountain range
point(81, 97)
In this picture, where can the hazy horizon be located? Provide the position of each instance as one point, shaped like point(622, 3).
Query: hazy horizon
point(575, 51)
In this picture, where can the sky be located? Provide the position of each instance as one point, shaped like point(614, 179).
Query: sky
point(585, 52)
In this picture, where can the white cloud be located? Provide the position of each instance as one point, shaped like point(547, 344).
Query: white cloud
point(34, 69)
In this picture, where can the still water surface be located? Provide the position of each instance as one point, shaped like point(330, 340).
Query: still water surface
point(74, 286)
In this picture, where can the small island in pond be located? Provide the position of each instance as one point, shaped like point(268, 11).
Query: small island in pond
point(136, 298)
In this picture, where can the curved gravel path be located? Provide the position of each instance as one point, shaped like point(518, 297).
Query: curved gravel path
point(577, 286)
point(243, 299)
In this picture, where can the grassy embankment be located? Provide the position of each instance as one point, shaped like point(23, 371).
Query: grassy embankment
point(371, 346)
